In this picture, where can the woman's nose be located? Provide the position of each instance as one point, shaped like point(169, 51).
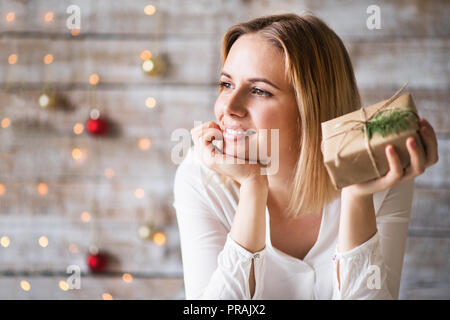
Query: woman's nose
point(235, 105)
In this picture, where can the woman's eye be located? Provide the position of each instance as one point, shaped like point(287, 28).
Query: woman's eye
point(224, 84)
point(260, 92)
point(257, 91)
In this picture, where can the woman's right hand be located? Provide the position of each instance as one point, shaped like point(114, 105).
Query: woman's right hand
point(222, 163)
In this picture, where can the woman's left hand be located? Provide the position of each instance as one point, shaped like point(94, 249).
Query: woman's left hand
point(396, 175)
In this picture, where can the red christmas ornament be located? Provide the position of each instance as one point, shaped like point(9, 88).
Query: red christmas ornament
point(97, 262)
point(96, 125)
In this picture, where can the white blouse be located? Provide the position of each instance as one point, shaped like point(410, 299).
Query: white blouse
point(217, 267)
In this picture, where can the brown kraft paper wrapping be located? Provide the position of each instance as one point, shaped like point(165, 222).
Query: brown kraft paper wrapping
point(354, 164)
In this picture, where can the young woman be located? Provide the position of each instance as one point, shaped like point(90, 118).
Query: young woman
point(290, 234)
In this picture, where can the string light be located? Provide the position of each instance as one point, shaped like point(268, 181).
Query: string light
point(159, 238)
point(94, 79)
point(126, 277)
point(149, 10)
point(25, 285)
point(10, 16)
point(139, 193)
point(63, 285)
point(78, 128)
point(48, 58)
point(48, 16)
point(77, 153)
point(150, 102)
point(2, 189)
point(144, 143)
point(5, 241)
point(42, 188)
point(146, 54)
point(43, 241)
point(13, 58)
point(5, 123)
point(107, 296)
point(75, 32)
point(85, 216)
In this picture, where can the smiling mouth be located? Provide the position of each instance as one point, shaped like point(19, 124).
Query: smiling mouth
point(233, 134)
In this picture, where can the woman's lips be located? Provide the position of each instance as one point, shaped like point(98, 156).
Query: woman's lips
point(235, 134)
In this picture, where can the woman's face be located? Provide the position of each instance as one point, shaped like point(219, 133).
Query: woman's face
point(256, 95)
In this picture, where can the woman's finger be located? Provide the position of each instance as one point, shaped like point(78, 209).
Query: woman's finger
point(430, 142)
point(211, 134)
point(424, 122)
point(197, 131)
point(205, 143)
point(417, 163)
point(206, 125)
point(395, 172)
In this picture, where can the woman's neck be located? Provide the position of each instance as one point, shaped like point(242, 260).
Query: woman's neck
point(280, 186)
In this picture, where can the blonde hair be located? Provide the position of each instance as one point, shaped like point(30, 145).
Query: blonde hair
point(319, 69)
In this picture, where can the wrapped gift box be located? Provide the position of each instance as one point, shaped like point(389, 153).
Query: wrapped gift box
point(353, 145)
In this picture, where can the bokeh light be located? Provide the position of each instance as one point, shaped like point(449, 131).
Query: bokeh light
point(10, 16)
point(149, 10)
point(5, 123)
point(43, 241)
point(25, 285)
point(85, 216)
point(139, 193)
point(78, 128)
point(144, 144)
point(107, 296)
point(48, 58)
point(159, 238)
point(42, 188)
point(13, 58)
point(94, 79)
point(5, 241)
point(49, 16)
point(150, 102)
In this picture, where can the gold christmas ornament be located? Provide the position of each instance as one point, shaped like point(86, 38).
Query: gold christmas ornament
point(47, 100)
point(147, 228)
point(154, 66)
point(146, 231)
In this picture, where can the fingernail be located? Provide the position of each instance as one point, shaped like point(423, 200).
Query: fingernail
point(424, 130)
point(413, 142)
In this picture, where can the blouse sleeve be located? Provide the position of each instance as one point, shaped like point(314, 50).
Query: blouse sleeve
point(214, 265)
point(373, 269)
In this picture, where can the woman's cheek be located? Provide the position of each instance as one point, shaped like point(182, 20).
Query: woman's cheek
point(217, 109)
point(263, 144)
point(268, 138)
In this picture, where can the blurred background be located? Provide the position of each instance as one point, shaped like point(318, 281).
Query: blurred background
point(90, 94)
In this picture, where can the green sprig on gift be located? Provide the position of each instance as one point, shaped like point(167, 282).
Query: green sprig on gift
point(387, 122)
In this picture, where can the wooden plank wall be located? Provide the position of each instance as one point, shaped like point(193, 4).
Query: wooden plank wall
point(412, 45)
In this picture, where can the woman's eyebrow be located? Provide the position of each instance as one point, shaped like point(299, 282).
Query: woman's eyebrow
point(252, 79)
